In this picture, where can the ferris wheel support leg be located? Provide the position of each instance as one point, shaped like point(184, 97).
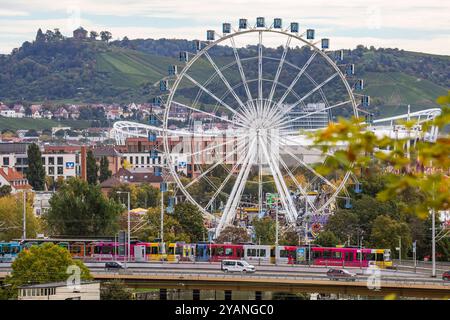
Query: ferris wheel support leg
point(230, 208)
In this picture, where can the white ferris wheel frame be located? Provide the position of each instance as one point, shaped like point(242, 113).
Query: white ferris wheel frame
point(204, 52)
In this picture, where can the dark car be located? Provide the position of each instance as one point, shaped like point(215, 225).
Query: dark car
point(338, 274)
point(446, 276)
point(113, 265)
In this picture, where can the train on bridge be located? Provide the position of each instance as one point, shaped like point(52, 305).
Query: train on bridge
point(90, 250)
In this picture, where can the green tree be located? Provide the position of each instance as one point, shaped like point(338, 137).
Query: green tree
point(105, 36)
point(5, 190)
point(105, 173)
point(147, 196)
point(115, 290)
point(327, 239)
point(173, 231)
point(289, 238)
point(80, 209)
point(11, 217)
point(386, 233)
point(93, 35)
point(40, 37)
point(191, 220)
point(91, 168)
point(264, 230)
point(43, 264)
point(343, 224)
point(35, 172)
point(233, 234)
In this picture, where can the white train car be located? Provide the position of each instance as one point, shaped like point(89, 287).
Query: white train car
point(257, 253)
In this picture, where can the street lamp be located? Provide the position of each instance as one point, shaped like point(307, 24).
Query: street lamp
point(129, 229)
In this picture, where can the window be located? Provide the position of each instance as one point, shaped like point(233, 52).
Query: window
point(43, 160)
point(228, 251)
point(240, 264)
point(51, 170)
point(284, 253)
point(219, 251)
point(317, 254)
point(349, 256)
point(131, 160)
point(337, 255)
point(326, 254)
point(60, 170)
point(155, 250)
point(262, 252)
point(251, 252)
point(60, 160)
point(51, 161)
point(6, 161)
point(142, 160)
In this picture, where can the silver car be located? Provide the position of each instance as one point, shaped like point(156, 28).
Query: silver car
point(341, 274)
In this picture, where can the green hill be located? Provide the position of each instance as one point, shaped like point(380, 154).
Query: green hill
point(88, 71)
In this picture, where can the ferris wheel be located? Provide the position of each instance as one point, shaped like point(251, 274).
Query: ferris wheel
point(251, 93)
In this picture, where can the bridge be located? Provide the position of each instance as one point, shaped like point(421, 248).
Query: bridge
point(290, 279)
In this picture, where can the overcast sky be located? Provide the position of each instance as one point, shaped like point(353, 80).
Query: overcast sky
point(416, 25)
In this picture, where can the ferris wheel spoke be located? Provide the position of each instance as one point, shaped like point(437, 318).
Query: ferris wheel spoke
point(214, 97)
point(222, 185)
point(219, 161)
point(339, 189)
point(294, 82)
point(314, 112)
point(308, 167)
point(282, 188)
point(280, 67)
point(239, 124)
point(310, 93)
point(260, 93)
point(225, 81)
point(294, 179)
point(241, 71)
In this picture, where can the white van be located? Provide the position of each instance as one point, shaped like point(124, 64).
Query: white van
point(236, 266)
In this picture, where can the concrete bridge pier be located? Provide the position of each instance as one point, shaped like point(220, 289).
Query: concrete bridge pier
point(196, 294)
point(162, 294)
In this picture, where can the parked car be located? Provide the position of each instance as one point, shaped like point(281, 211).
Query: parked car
point(446, 276)
point(236, 266)
point(338, 274)
point(114, 265)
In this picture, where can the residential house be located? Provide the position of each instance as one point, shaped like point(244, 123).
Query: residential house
point(11, 177)
point(36, 110)
point(61, 113)
point(20, 110)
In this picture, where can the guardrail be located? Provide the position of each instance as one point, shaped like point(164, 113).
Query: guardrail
point(256, 276)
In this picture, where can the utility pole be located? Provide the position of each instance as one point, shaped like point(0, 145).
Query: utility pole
point(24, 230)
point(129, 229)
point(433, 243)
point(129, 224)
point(276, 232)
point(163, 249)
